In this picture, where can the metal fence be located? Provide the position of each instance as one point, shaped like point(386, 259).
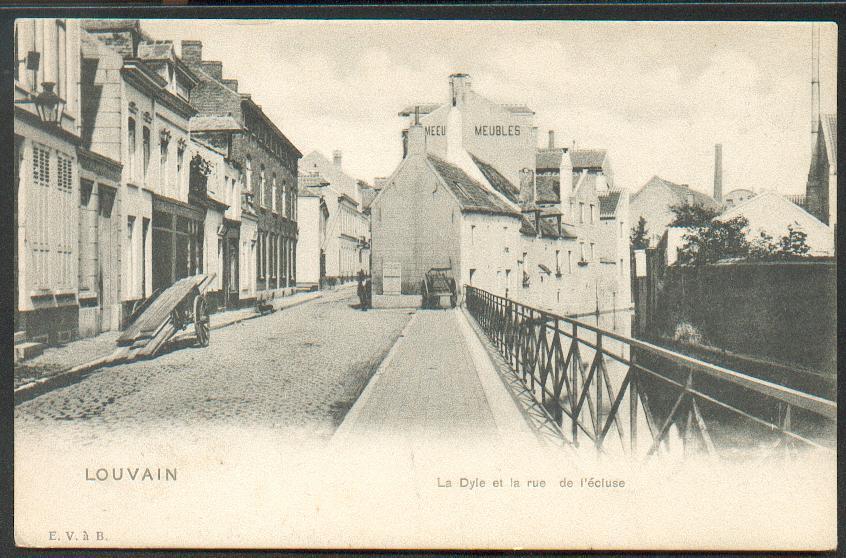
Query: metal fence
point(592, 383)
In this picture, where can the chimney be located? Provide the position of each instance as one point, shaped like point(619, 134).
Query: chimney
point(213, 69)
point(718, 172)
point(458, 85)
point(527, 187)
point(336, 158)
point(552, 139)
point(416, 140)
point(192, 52)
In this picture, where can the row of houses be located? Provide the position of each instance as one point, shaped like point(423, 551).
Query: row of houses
point(148, 168)
point(473, 194)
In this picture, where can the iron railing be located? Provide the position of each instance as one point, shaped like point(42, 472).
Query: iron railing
point(591, 382)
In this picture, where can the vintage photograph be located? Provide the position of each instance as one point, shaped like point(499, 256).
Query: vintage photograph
point(425, 284)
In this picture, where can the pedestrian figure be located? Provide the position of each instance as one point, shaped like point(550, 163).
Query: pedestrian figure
point(362, 297)
point(368, 293)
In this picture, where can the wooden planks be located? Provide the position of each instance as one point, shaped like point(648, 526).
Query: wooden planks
point(149, 323)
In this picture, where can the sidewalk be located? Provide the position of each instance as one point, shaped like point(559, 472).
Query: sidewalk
point(56, 360)
point(436, 383)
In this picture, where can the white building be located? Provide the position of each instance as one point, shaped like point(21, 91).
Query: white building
point(344, 249)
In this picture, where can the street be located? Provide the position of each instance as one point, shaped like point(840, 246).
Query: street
point(297, 369)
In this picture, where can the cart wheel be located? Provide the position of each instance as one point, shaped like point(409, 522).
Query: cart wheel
point(201, 320)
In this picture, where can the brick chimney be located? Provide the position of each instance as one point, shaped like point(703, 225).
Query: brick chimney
point(459, 84)
point(718, 172)
point(336, 158)
point(552, 139)
point(213, 69)
point(416, 140)
point(192, 52)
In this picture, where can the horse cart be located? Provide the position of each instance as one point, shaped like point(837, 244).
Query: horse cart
point(439, 289)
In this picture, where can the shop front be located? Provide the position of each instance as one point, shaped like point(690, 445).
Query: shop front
point(178, 236)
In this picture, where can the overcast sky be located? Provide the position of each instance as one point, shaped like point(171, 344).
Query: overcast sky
point(658, 96)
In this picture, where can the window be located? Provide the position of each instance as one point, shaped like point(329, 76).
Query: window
point(163, 148)
point(249, 175)
point(273, 194)
point(592, 213)
point(621, 229)
point(621, 267)
point(472, 234)
point(180, 161)
point(581, 212)
point(592, 256)
point(61, 60)
point(262, 185)
point(130, 254)
point(582, 251)
point(571, 214)
point(146, 140)
point(558, 261)
point(569, 261)
point(285, 210)
point(131, 143)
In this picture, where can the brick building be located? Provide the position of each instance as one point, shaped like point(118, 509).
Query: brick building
point(268, 161)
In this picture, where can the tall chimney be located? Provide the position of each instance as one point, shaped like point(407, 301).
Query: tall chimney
point(459, 84)
point(718, 172)
point(552, 139)
point(336, 158)
point(192, 52)
point(415, 140)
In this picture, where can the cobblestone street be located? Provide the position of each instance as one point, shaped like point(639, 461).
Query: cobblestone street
point(298, 369)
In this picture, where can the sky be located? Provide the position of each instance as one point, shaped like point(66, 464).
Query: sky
point(657, 96)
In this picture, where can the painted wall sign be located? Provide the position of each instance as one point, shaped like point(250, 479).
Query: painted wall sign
point(392, 278)
point(435, 130)
point(497, 130)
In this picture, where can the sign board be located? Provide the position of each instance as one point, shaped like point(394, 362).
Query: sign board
point(392, 278)
point(640, 263)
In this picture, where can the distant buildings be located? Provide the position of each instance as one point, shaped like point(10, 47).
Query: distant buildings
point(771, 213)
point(475, 195)
point(738, 196)
point(655, 199)
point(337, 245)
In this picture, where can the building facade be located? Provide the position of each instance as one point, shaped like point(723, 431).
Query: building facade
point(46, 176)
point(268, 161)
point(345, 248)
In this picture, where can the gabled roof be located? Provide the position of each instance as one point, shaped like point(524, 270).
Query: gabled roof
point(367, 197)
point(588, 158)
point(549, 159)
point(608, 204)
point(680, 192)
point(547, 189)
point(214, 123)
point(497, 180)
point(828, 127)
point(767, 198)
point(472, 196)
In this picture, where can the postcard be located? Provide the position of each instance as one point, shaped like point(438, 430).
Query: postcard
point(292, 283)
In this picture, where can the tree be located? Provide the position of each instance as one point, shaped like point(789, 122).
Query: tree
point(692, 215)
point(708, 239)
point(640, 235)
point(794, 244)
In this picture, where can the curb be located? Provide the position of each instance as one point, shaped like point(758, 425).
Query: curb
point(70, 376)
point(348, 424)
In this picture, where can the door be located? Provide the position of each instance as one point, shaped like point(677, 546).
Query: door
point(107, 274)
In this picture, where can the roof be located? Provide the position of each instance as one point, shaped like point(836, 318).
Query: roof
point(156, 50)
point(423, 108)
point(517, 109)
point(828, 125)
point(588, 158)
point(311, 181)
point(548, 228)
point(681, 192)
point(765, 197)
point(584, 181)
point(547, 189)
point(472, 196)
point(214, 123)
point(608, 204)
point(497, 180)
point(549, 158)
point(367, 197)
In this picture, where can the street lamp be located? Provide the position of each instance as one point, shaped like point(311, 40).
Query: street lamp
point(50, 107)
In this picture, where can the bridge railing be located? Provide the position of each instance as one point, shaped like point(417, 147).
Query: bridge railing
point(592, 383)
